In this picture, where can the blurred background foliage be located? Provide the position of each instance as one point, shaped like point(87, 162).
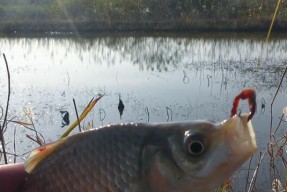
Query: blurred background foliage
point(139, 11)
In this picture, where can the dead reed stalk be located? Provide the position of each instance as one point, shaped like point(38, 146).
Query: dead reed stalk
point(6, 113)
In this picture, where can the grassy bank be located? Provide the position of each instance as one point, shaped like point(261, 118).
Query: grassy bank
point(261, 24)
point(134, 15)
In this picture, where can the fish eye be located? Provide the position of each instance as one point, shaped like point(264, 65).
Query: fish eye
point(194, 144)
point(196, 147)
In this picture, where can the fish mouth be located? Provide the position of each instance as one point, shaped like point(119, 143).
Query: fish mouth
point(235, 144)
point(239, 141)
point(239, 135)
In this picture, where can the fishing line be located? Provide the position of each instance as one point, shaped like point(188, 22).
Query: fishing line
point(273, 19)
point(268, 35)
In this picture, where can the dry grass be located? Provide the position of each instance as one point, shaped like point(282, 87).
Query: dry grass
point(273, 155)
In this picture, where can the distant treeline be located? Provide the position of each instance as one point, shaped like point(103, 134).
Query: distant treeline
point(90, 15)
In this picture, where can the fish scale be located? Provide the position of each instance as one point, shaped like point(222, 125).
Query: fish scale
point(116, 165)
point(190, 156)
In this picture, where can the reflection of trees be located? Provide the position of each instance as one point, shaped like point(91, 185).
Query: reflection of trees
point(234, 57)
point(160, 54)
point(228, 55)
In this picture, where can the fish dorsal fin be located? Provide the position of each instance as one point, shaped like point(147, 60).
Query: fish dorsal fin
point(40, 154)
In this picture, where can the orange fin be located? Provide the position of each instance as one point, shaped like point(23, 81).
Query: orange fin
point(40, 154)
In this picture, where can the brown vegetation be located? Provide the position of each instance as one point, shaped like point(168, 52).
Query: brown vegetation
point(135, 15)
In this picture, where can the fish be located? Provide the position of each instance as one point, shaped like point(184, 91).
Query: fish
point(188, 156)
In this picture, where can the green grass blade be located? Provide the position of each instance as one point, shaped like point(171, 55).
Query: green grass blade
point(83, 115)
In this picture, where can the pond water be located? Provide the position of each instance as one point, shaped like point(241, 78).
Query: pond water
point(159, 77)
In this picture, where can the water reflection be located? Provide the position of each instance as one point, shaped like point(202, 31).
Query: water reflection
point(65, 118)
point(160, 78)
point(238, 56)
point(121, 106)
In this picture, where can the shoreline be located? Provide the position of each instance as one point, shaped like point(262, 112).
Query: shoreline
point(196, 26)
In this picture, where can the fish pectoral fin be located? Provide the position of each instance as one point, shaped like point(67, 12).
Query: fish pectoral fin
point(40, 154)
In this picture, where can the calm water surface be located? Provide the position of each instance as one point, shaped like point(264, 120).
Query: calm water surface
point(159, 78)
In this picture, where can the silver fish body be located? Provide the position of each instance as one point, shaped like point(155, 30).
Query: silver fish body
point(169, 157)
